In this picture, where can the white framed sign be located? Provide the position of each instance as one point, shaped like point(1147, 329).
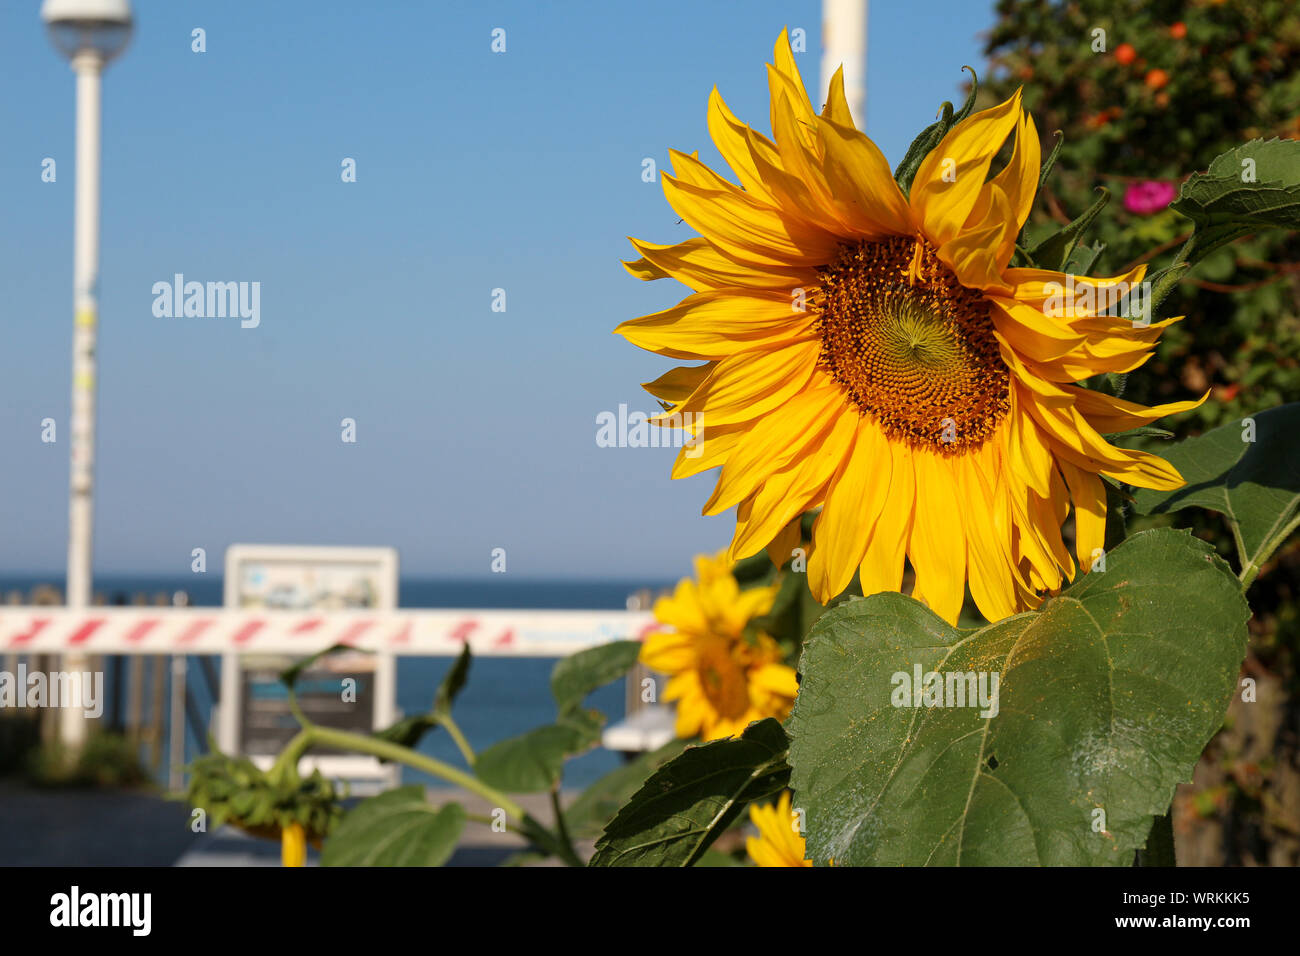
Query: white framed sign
point(354, 692)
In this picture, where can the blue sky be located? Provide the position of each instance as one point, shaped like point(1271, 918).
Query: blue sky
point(475, 429)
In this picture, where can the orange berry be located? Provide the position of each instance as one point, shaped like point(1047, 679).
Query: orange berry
point(1178, 30)
point(1157, 78)
point(1125, 53)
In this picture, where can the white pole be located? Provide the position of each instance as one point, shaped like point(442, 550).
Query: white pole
point(88, 66)
point(176, 726)
point(844, 41)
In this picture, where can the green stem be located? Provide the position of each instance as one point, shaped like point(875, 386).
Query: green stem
point(290, 755)
point(375, 747)
point(1250, 568)
point(1159, 850)
point(462, 744)
point(570, 855)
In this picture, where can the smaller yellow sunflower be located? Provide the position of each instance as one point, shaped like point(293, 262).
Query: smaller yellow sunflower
point(779, 842)
point(721, 680)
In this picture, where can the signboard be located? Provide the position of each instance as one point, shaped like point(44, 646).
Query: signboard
point(355, 692)
point(340, 693)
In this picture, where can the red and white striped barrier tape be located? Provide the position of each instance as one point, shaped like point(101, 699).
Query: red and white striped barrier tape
point(194, 630)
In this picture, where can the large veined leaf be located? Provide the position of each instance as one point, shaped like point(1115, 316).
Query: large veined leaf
point(1251, 188)
point(678, 813)
point(1257, 185)
point(534, 761)
point(597, 805)
point(397, 828)
point(1106, 697)
point(579, 674)
point(1251, 475)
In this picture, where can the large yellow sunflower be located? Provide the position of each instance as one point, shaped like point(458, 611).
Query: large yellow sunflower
point(721, 680)
point(872, 354)
point(779, 842)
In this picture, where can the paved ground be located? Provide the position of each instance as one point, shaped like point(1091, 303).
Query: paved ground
point(90, 828)
point(108, 828)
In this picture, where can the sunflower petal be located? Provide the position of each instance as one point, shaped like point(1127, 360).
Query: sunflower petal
point(949, 179)
point(713, 325)
point(853, 504)
point(702, 268)
point(748, 385)
point(882, 565)
point(938, 543)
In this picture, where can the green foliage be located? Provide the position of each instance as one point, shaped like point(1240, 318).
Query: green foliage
point(1247, 471)
point(579, 674)
point(683, 807)
point(409, 731)
point(108, 760)
point(1107, 696)
point(599, 803)
point(1257, 184)
point(289, 676)
point(1054, 251)
point(397, 828)
point(234, 790)
point(534, 761)
point(1232, 76)
point(400, 828)
point(453, 682)
point(20, 736)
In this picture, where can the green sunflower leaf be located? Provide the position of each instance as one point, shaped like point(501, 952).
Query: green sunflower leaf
point(534, 761)
point(1106, 697)
point(577, 675)
point(1252, 188)
point(1256, 185)
point(1247, 470)
point(397, 828)
point(598, 804)
point(680, 810)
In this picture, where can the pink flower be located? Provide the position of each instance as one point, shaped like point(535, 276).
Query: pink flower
point(1149, 196)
